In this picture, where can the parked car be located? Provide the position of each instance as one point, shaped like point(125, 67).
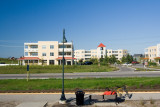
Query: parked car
point(127, 64)
point(2, 63)
point(87, 63)
point(135, 62)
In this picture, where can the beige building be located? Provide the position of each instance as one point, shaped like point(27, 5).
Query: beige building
point(47, 53)
point(100, 52)
point(117, 53)
point(153, 53)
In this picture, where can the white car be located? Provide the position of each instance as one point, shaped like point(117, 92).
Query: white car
point(127, 64)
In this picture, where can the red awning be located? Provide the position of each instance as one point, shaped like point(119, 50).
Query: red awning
point(101, 45)
point(29, 58)
point(144, 58)
point(157, 58)
point(59, 58)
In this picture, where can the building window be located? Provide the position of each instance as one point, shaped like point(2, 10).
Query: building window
point(43, 46)
point(43, 54)
point(87, 51)
point(87, 55)
point(26, 53)
point(34, 46)
point(51, 46)
point(61, 46)
point(34, 54)
point(101, 48)
point(26, 46)
point(68, 46)
point(51, 54)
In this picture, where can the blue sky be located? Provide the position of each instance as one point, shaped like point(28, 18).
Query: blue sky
point(118, 24)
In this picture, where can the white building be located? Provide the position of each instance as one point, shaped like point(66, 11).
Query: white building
point(100, 52)
point(47, 53)
point(152, 53)
point(117, 53)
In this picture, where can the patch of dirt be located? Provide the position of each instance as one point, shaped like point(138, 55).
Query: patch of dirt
point(143, 103)
point(8, 104)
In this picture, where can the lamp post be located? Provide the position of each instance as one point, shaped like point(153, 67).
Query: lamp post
point(63, 98)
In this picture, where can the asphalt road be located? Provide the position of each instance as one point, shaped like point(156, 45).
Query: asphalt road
point(123, 72)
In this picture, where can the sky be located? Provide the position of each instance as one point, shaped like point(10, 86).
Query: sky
point(119, 24)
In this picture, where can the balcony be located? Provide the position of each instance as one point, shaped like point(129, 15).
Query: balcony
point(65, 49)
point(65, 55)
point(31, 50)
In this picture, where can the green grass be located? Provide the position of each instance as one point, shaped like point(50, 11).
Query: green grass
point(85, 83)
point(156, 67)
point(55, 69)
point(143, 69)
point(8, 61)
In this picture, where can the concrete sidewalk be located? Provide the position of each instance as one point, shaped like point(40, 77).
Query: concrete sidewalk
point(53, 98)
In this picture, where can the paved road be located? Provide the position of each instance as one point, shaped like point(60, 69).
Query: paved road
point(123, 72)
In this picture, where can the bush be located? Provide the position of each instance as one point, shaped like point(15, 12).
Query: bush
point(152, 64)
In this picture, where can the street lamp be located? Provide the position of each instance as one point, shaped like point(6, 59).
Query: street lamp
point(63, 98)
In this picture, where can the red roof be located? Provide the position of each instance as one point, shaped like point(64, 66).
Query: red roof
point(29, 58)
point(65, 58)
point(101, 45)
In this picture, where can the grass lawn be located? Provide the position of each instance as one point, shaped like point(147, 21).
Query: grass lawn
point(55, 69)
point(156, 67)
point(142, 69)
point(8, 61)
point(85, 83)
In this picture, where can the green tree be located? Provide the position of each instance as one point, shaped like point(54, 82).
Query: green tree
point(94, 60)
point(129, 58)
point(123, 59)
point(112, 59)
point(80, 61)
point(135, 59)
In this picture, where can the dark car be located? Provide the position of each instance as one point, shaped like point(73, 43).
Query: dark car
point(87, 63)
point(2, 62)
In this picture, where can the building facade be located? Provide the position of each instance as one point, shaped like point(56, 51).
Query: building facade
point(153, 53)
point(47, 53)
point(100, 52)
point(117, 53)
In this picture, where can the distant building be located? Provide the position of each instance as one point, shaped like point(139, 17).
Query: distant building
point(47, 53)
point(100, 52)
point(117, 53)
point(138, 57)
point(153, 53)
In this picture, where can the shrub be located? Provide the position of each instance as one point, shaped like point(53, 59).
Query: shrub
point(152, 64)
